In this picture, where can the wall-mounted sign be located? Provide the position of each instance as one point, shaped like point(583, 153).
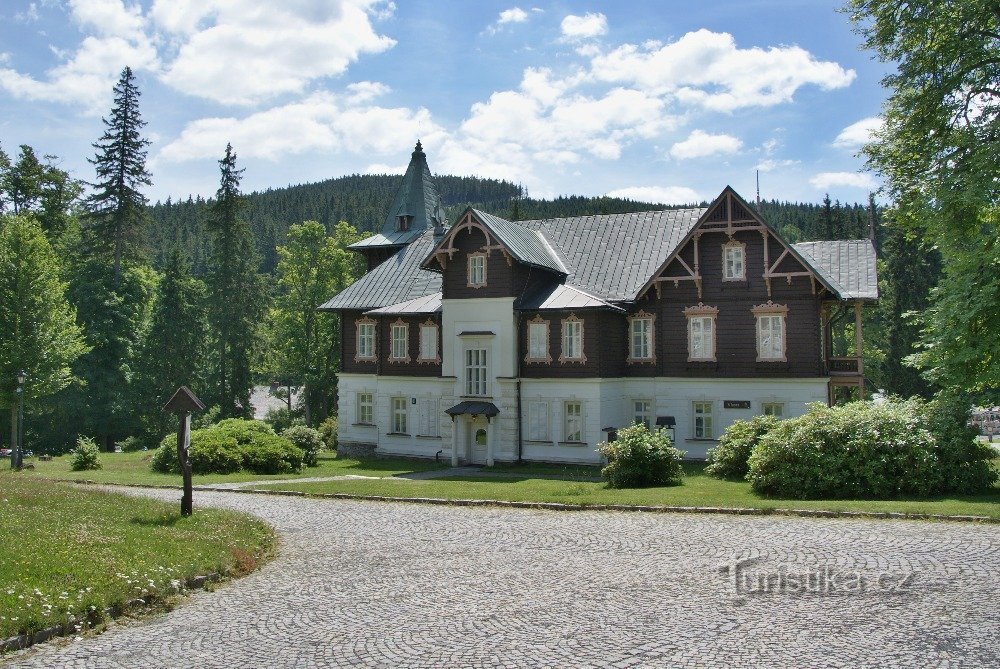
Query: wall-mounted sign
point(736, 404)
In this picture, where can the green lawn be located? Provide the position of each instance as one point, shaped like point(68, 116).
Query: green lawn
point(698, 490)
point(67, 550)
point(134, 468)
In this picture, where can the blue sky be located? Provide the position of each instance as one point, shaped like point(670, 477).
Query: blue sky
point(665, 101)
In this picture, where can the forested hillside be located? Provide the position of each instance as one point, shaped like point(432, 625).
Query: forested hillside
point(362, 201)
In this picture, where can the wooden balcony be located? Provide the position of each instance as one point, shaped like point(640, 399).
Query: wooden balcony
point(844, 366)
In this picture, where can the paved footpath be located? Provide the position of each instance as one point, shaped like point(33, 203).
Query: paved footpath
point(404, 585)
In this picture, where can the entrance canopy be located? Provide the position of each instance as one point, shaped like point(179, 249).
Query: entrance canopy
point(472, 408)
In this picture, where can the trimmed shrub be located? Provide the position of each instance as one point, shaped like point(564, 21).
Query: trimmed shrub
point(729, 459)
point(307, 440)
point(640, 458)
point(86, 455)
point(213, 452)
point(965, 461)
point(328, 430)
point(164, 458)
point(271, 454)
point(242, 430)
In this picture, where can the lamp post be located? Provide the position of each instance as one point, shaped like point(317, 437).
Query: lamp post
point(16, 456)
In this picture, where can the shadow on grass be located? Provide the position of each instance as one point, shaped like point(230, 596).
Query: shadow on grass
point(168, 520)
point(400, 465)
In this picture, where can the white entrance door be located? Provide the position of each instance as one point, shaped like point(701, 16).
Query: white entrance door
point(478, 434)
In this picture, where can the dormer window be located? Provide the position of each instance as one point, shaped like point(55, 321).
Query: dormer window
point(403, 223)
point(734, 261)
point(477, 270)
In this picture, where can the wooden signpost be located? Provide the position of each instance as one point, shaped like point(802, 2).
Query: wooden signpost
point(183, 403)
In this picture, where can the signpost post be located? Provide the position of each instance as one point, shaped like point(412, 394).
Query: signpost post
point(183, 403)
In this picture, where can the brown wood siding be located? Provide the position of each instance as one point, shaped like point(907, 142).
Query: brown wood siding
point(502, 279)
point(603, 345)
point(413, 367)
point(349, 345)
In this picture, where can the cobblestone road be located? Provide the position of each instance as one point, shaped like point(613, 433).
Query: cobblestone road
point(401, 585)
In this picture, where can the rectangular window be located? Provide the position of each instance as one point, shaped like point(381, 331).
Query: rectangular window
point(366, 408)
point(642, 412)
point(572, 340)
point(538, 421)
point(641, 338)
point(735, 267)
point(399, 415)
point(574, 421)
point(430, 425)
point(428, 342)
point(477, 269)
point(400, 341)
point(366, 341)
point(776, 409)
point(770, 337)
point(538, 341)
point(701, 338)
point(702, 420)
point(475, 372)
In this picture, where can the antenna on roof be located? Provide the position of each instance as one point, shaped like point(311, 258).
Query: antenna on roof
point(758, 190)
point(871, 217)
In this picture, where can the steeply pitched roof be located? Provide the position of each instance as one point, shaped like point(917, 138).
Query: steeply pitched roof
point(526, 245)
point(562, 296)
point(396, 280)
point(847, 265)
point(417, 196)
point(427, 304)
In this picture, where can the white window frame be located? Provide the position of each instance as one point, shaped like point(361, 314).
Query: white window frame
point(538, 420)
point(476, 270)
point(399, 341)
point(572, 340)
point(642, 412)
point(365, 412)
point(776, 409)
point(699, 319)
point(771, 319)
point(702, 414)
point(429, 342)
point(399, 414)
point(648, 338)
point(540, 353)
point(429, 424)
point(366, 332)
point(477, 371)
point(573, 422)
point(734, 257)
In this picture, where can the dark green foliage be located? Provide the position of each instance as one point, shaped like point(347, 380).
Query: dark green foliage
point(328, 431)
point(282, 418)
point(729, 458)
point(213, 452)
point(965, 460)
point(271, 454)
point(229, 446)
point(117, 208)
point(640, 458)
point(130, 445)
point(242, 430)
point(306, 439)
point(86, 455)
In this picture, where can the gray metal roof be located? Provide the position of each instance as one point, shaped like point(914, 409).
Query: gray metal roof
point(847, 265)
point(526, 245)
point(562, 296)
point(417, 196)
point(427, 304)
point(612, 255)
point(396, 280)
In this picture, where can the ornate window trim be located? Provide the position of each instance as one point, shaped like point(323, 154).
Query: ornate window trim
point(731, 244)
point(581, 358)
point(436, 360)
point(642, 315)
point(357, 342)
point(701, 311)
point(468, 268)
point(771, 309)
point(547, 358)
point(399, 323)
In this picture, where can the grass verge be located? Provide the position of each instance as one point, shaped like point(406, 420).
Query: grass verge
point(698, 490)
point(73, 552)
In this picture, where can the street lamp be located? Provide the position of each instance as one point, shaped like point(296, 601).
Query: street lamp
point(16, 457)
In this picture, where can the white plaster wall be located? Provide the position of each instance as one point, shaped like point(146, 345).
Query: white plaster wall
point(493, 314)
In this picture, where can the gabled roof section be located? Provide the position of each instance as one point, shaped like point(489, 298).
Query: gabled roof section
point(427, 304)
point(416, 197)
point(396, 280)
point(562, 296)
point(847, 265)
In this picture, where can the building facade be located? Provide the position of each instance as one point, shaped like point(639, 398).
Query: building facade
point(492, 340)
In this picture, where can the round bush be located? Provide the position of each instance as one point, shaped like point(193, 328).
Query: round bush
point(242, 430)
point(328, 430)
point(965, 461)
point(164, 458)
point(728, 460)
point(307, 440)
point(213, 452)
point(86, 455)
point(640, 458)
point(271, 454)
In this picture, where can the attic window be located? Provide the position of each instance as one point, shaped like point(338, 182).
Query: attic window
point(403, 223)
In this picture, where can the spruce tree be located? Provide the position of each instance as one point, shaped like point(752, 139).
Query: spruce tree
point(116, 210)
point(236, 295)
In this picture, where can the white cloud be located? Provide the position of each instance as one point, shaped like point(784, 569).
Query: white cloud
point(109, 17)
point(366, 91)
point(859, 133)
point(320, 122)
point(700, 144)
point(707, 69)
point(30, 15)
point(583, 27)
point(825, 180)
point(769, 165)
point(658, 194)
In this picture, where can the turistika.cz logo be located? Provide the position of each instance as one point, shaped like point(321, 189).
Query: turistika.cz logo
point(823, 581)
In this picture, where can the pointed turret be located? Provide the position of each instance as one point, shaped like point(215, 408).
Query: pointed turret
point(415, 209)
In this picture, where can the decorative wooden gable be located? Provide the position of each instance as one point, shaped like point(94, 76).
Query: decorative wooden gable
point(468, 222)
point(728, 215)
